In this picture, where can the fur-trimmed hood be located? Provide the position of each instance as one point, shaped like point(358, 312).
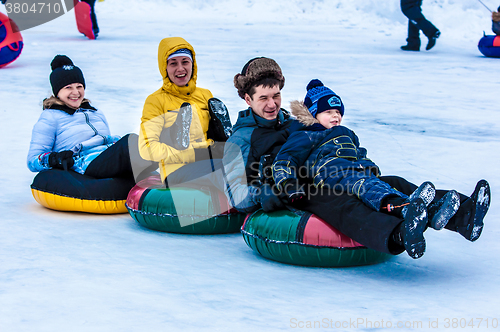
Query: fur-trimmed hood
point(301, 112)
point(167, 47)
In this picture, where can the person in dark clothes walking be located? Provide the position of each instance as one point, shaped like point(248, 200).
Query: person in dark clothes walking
point(416, 22)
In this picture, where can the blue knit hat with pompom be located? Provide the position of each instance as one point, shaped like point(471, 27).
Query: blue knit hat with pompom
point(319, 98)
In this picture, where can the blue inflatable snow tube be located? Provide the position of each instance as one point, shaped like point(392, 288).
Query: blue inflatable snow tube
point(490, 46)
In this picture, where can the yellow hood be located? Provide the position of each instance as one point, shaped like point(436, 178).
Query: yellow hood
point(168, 46)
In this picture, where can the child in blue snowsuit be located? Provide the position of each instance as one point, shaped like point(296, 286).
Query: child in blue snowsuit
point(330, 156)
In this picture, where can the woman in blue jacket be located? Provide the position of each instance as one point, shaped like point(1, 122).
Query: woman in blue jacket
point(72, 135)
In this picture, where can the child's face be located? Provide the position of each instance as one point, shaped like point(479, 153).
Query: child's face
point(329, 118)
point(72, 95)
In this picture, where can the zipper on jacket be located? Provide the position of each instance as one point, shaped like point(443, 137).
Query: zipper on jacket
point(90, 124)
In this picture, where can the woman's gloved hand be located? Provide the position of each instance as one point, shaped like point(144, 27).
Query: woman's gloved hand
point(61, 160)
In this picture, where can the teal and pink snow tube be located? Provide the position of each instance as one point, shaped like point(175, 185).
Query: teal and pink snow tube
point(302, 238)
point(182, 209)
point(490, 46)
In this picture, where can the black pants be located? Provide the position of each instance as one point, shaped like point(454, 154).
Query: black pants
point(121, 160)
point(416, 22)
point(92, 15)
point(208, 172)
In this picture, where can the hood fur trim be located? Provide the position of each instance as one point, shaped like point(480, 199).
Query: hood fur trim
point(301, 112)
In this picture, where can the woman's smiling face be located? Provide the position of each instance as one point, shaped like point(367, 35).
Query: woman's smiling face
point(179, 70)
point(72, 95)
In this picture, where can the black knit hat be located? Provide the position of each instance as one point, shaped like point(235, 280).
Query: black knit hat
point(255, 70)
point(64, 72)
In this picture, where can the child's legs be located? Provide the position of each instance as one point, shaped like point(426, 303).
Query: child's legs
point(369, 189)
point(464, 213)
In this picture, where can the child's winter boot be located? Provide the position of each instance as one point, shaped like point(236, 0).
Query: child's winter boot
point(441, 211)
point(410, 233)
point(426, 192)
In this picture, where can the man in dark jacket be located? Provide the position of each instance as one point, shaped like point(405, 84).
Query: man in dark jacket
point(262, 129)
point(416, 22)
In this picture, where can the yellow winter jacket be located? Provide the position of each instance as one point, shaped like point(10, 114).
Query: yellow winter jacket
point(157, 114)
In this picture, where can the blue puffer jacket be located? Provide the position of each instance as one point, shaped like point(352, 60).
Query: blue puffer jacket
point(85, 131)
point(319, 154)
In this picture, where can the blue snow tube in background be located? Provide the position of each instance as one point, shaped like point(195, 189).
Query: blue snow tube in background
point(490, 46)
point(11, 41)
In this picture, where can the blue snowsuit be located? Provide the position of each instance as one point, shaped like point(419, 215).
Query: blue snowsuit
point(332, 159)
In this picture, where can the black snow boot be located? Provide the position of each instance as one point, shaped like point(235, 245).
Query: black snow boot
point(398, 206)
point(219, 127)
point(181, 126)
point(480, 200)
point(426, 192)
point(410, 233)
point(441, 211)
point(432, 40)
point(409, 47)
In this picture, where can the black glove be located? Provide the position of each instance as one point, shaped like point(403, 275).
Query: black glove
point(201, 154)
point(268, 200)
point(293, 192)
point(62, 160)
point(217, 150)
point(4, 1)
point(266, 168)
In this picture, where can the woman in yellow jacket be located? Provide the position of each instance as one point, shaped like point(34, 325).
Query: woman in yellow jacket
point(177, 64)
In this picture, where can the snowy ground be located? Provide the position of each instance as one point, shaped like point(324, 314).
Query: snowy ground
point(425, 116)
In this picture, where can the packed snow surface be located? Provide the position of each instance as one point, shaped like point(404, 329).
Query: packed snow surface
point(422, 115)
